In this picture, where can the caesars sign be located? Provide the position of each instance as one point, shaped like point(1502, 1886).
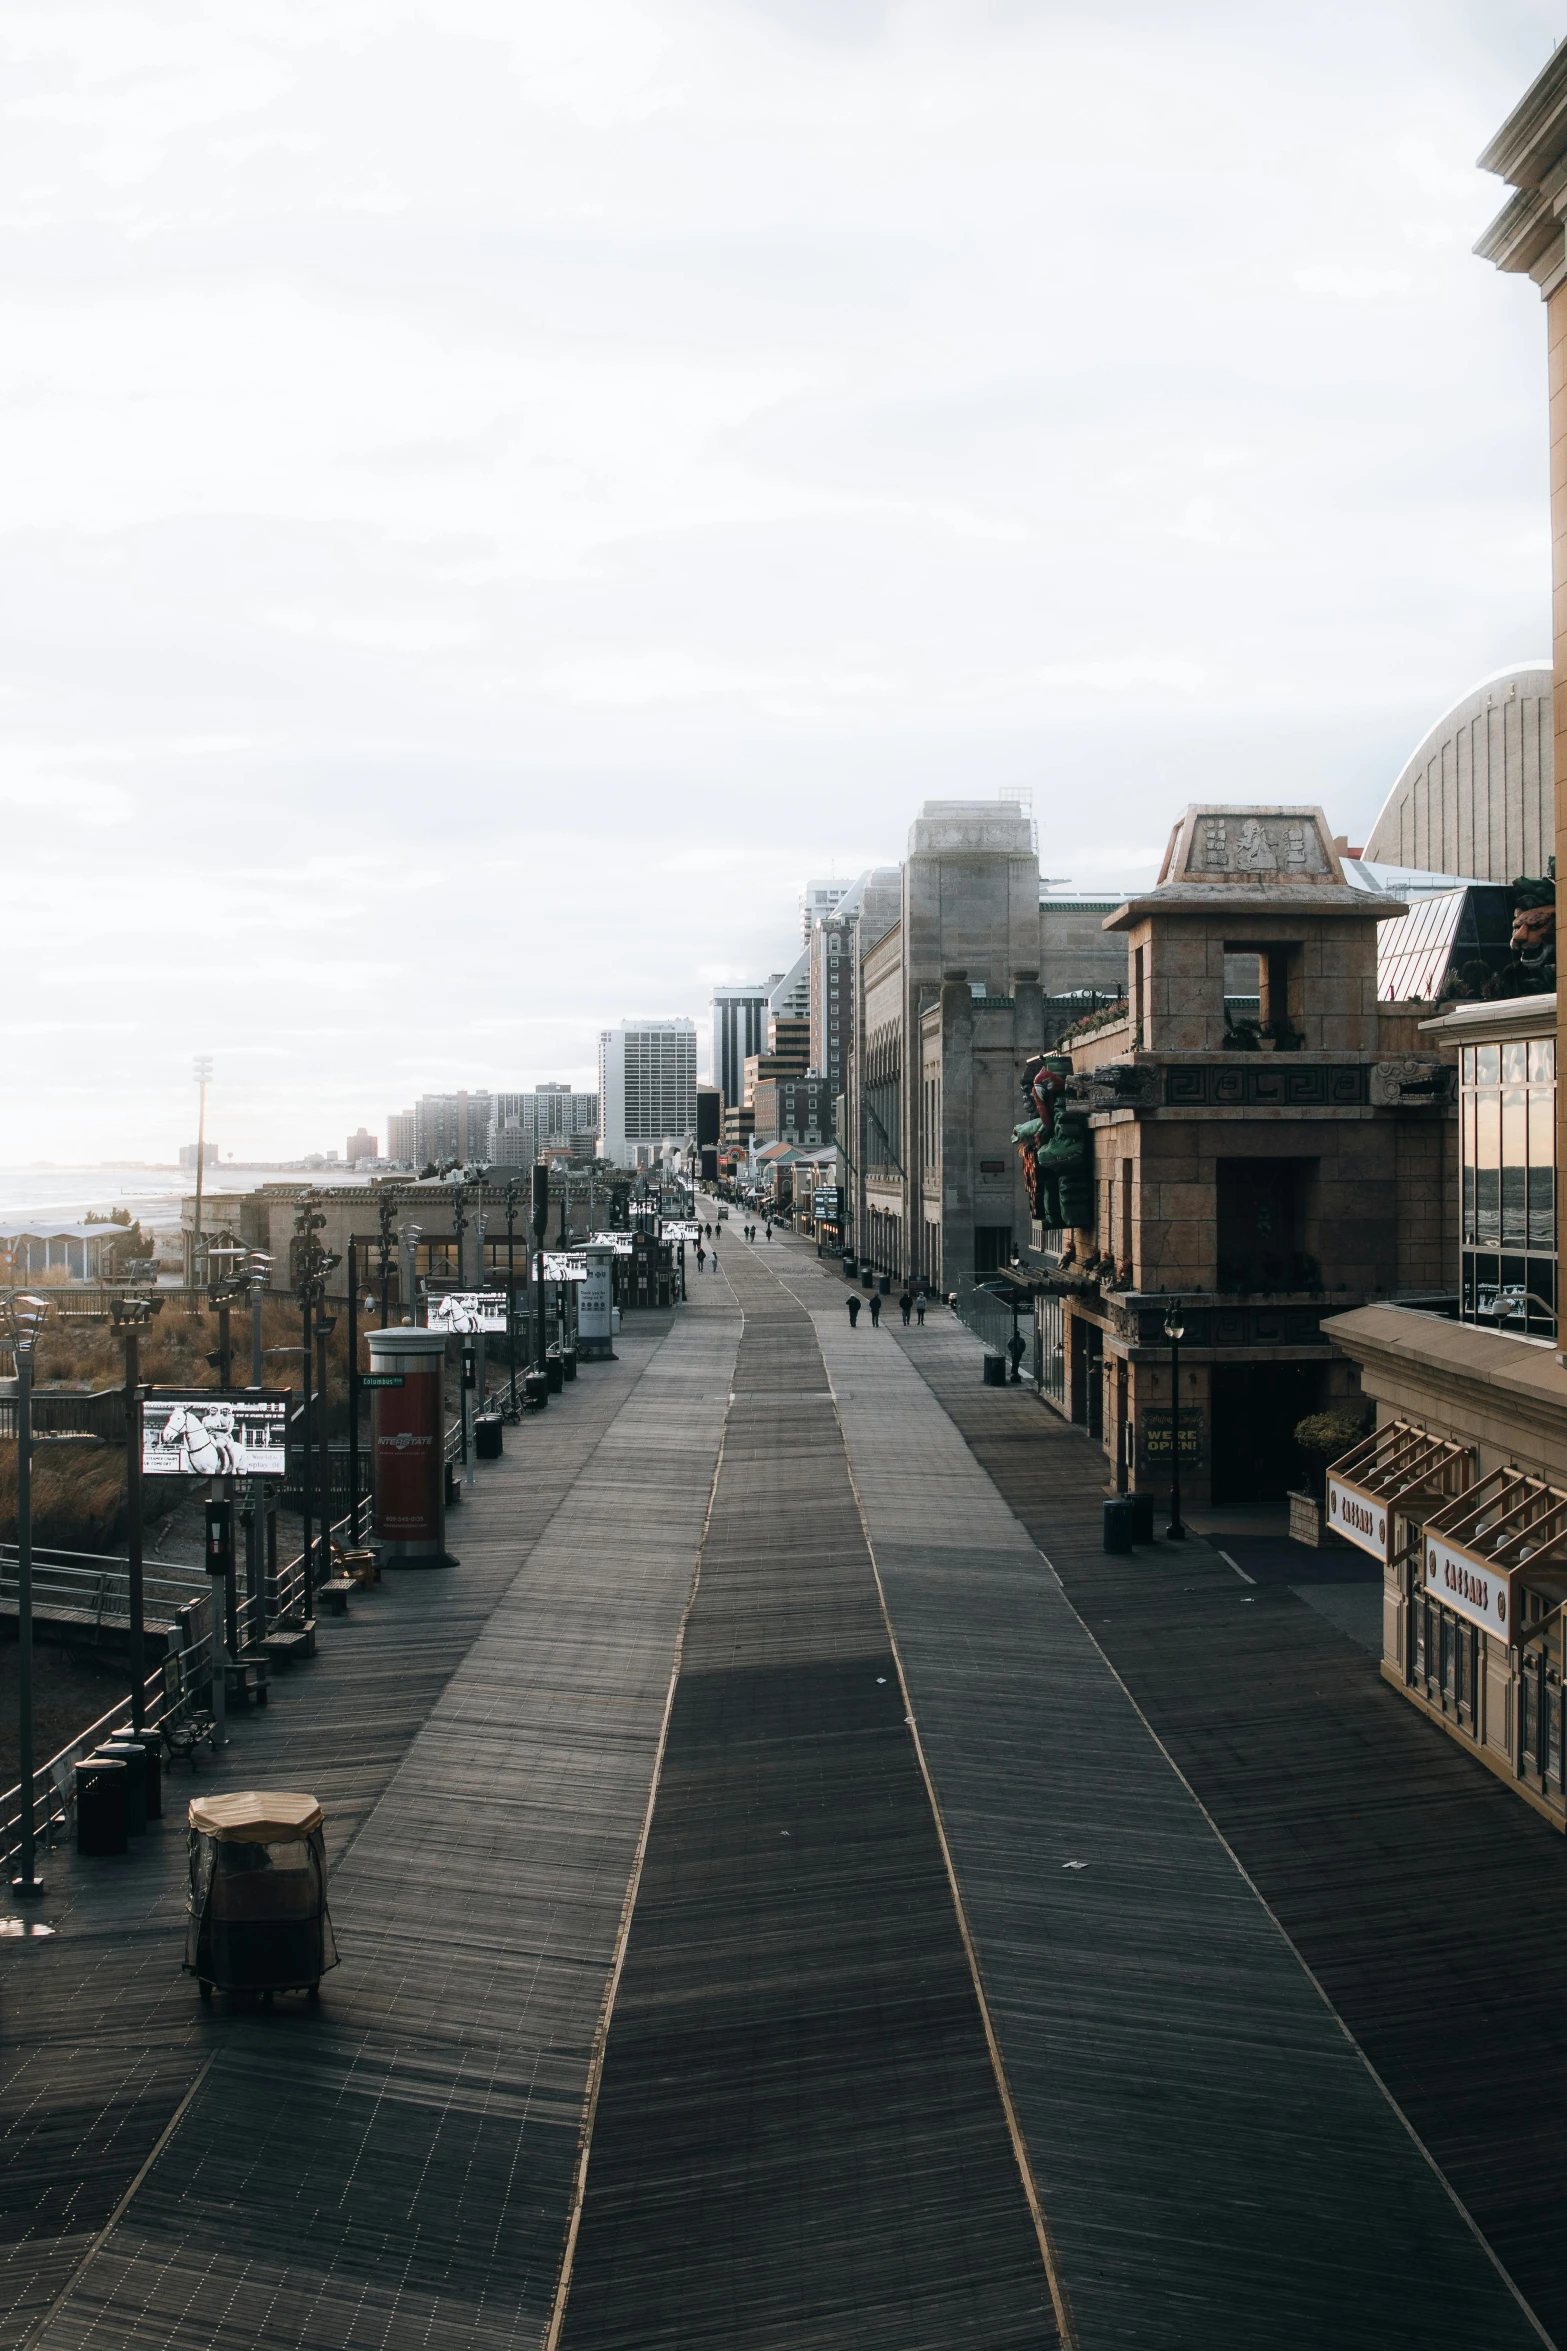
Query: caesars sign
point(1359, 1517)
point(1467, 1586)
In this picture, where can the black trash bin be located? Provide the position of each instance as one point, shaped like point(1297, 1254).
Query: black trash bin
point(535, 1391)
point(568, 1363)
point(1118, 1524)
point(487, 1436)
point(995, 1371)
point(1142, 1516)
point(848, 1267)
point(133, 1755)
point(553, 1372)
point(101, 1822)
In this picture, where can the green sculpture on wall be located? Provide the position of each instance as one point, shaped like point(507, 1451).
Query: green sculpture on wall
point(1055, 1147)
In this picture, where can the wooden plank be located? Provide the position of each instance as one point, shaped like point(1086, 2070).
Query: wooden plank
point(800, 2141)
point(393, 2168)
point(1216, 2161)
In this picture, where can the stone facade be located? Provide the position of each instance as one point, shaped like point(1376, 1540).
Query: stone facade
point(1259, 1173)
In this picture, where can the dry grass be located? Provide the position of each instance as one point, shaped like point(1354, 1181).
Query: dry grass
point(79, 1492)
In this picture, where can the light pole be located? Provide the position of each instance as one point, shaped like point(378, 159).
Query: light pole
point(24, 1318)
point(130, 1316)
point(541, 1218)
point(201, 1071)
point(1174, 1331)
point(513, 1203)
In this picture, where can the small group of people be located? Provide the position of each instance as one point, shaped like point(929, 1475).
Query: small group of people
point(908, 1303)
point(749, 1230)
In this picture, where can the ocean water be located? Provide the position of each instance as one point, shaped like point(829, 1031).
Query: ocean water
point(151, 1193)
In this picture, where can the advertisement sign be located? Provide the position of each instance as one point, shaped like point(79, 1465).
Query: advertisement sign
point(213, 1433)
point(677, 1229)
point(825, 1201)
point(1359, 1517)
point(1153, 1435)
point(619, 1242)
point(407, 1444)
point(562, 1265)
point(466, 1310)
point(595, 1304)
point(1467, 1586)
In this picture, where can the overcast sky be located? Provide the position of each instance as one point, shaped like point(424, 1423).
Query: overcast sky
point(495, 495)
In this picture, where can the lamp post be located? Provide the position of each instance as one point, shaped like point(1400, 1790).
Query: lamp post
point(513, 1203)
point(201, 1071)
point(130, 1316)
point(541, 1218)
point(24, 1318)
point(1174, 1331)
point(386, 1211)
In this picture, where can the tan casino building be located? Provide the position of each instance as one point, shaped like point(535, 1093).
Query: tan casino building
point(1461, 1491)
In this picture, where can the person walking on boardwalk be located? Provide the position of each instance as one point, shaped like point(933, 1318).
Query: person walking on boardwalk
point(875, 1310)
point(919, 1310)
point(905, 1308)
point(854, 1311)
point(701, 1257)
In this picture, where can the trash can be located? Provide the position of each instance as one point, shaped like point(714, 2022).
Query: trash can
point(1118, 1524)
point(535, 1391)
point(553, 1372)
point(133, 1755)
point(568, 1363)
point(1142, 1516)
point(487, 1436)
point(995, 1371)
point(848, 1266)
point(101, 1825)
point(885, 1285)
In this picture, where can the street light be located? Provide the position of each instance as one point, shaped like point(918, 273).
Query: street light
point(201, 1071)
point(21, 1320)
point(1175, 1331)
point(130, 1317)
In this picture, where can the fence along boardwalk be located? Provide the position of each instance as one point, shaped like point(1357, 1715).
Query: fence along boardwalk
point(800, 2140)
point(1217, 2163)
point(394, 2167)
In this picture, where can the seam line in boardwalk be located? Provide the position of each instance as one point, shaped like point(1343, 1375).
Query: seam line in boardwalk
point(1047, 2251)
point(627, 1913)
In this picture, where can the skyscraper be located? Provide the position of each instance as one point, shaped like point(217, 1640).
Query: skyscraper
point(647, 1087)
point(817, 899)
point(740, 1010)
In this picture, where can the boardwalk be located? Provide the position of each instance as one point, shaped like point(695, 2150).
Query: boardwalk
point(787, 1898)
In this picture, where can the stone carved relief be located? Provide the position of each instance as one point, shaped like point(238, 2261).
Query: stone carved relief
point(1411, 1083)
point(1274, 846)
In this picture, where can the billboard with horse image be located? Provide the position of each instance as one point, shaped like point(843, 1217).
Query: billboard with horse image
point(214, 1433)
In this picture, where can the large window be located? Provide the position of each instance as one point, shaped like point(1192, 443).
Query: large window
point(1508, 1161)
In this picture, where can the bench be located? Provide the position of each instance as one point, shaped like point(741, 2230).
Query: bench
point(335, 1593)
point(359, 1566)
point(183, 1736)
point(246, 1682)
point(285, 1642)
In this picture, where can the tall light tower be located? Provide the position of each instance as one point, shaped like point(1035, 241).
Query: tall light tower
point(201, 1071)
point(23, 1320)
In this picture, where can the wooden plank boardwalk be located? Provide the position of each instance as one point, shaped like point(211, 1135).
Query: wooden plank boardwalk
point(1218, 2163)
point(800, 2138)
point(394, 2167)
point(1429, 1902)
point(797, 2135)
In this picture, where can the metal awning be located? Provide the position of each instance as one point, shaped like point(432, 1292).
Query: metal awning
point(1398, 1468)
point(1486, 1549)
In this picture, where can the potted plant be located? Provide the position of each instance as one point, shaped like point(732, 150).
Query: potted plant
point(1321, 1437)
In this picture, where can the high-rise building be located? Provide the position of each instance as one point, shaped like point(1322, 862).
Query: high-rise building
point(740, 1014)
point(360, 1146)
point(817, 899)
point(402, 1137)
point(791, 999)
point(523, 1125)
point(867, 909)
point(452, 1127)
point(647, 1087)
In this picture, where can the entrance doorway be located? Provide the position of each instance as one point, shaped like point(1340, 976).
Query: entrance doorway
point(1255, 1409)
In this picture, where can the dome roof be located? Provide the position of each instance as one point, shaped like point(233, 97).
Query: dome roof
point(1476, 797)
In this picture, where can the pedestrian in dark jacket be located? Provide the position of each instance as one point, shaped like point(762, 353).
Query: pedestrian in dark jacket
point(906, 1308)
point(875, 1310)
point(919, 1310)
point(854, 1310)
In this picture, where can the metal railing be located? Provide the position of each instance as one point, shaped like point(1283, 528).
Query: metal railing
point(984, 1314)
point(101, 1414)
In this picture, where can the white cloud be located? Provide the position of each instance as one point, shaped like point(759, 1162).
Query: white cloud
point(496, 494)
